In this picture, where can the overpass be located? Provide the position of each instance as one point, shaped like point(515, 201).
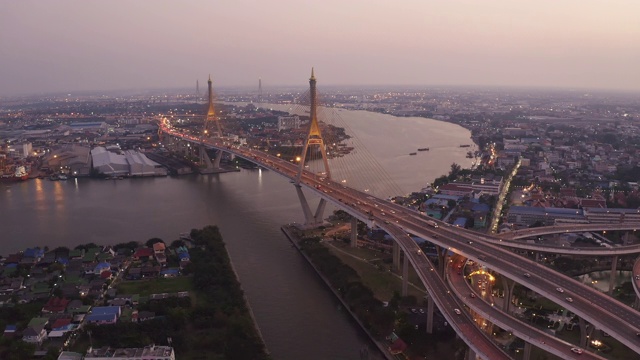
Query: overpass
point(528, 333)
point(604, 312)
point(567, 228)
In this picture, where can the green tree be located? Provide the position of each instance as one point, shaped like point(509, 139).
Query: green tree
point(153, 241)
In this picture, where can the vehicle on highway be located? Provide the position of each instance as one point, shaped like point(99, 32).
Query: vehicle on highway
point(577, 350)
point(383, 214)
point(569, 299)
point(421, 311)
point(457, 311)
point(527, 275)
point(419, 252)
point(559, 289)
point(470, 242)
point(473, 296)
point(432, 223)
point(482, 257)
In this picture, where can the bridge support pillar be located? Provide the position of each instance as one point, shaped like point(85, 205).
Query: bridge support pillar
point(310, 219)
point(396, 256)
point(585, 333)
point(613, 276)
point(527, 351)
point(405, 275)
point(216, 161)
point(354, 232)
point(442, 252)
point(508, 286)
point(430, 308)
point(471, 355)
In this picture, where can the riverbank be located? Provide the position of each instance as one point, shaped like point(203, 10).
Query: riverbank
point(294, 239)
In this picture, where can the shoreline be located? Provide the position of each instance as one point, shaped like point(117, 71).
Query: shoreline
point(248, 304)
point(292, 238)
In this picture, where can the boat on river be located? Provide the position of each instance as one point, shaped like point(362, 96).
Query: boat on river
point(20, 174)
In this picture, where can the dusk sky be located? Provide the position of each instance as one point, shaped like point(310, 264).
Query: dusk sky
point(64, 45)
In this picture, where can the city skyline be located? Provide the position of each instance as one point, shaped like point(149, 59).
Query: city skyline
point(76, 46)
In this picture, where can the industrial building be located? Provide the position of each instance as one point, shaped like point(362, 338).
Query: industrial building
point(131, 163)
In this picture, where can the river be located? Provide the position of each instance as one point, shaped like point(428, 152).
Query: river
point(298, 317)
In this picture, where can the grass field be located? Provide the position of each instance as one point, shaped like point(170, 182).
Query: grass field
point(156, 286)
point(381, 281)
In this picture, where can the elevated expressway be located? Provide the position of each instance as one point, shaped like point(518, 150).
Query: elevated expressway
point(510, 242)
point(567, 228)
point(606, 313)
point(524, 331)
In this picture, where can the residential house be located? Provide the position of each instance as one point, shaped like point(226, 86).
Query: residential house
point(34, 334)
point(103, 315)
point(55, 305)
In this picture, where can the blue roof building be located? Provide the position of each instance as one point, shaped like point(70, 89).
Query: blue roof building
point(460, 222)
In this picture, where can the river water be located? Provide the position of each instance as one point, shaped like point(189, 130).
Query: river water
point(298, 317)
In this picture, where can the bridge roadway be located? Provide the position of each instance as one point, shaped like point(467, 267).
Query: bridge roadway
point(567, 228)
point(585, 251)
point(606, 313)
point(521, 329)
point(464, 326)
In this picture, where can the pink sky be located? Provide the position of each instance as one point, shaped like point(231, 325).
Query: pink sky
point(67, 45)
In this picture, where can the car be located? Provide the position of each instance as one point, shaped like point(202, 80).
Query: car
point(569, 299)
point(559, 289)
point(414, 311)
point(457, 311)
point(637, 277)
point(383, 214)
point(577, 350)
point(421, 311)
point(473, 296)
point(470, 242)
point(419, 252)
point(527, 275)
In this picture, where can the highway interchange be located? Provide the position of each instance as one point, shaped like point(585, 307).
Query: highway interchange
point(604, 312)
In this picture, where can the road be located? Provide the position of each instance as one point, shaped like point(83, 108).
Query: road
point(521, 329)
point(606, 313)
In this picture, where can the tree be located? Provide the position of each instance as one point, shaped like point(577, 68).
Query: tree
point(455, 170)
point(153, 241)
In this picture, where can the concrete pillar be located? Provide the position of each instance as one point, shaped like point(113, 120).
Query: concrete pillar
point(614, 272)
point(396, 256)
point(216, 161)
point(442, 252)
point(405, 275)
point(430, 312)
point(583, 332)
point(508, 286)
point(354, 232)
point(527, 351)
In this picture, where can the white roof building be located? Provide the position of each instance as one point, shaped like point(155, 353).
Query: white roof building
point(109, 163)
point(132, 163)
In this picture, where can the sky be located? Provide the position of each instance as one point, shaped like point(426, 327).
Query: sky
point(69, 45)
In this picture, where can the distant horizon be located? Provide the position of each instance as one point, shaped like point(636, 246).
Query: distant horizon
point(328, 87)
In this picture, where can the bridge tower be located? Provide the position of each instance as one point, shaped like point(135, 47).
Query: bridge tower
point(314, 139)
point(209, 120)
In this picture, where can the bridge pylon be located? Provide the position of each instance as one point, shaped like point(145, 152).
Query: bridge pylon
point(314, 139)
point(211, 128)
